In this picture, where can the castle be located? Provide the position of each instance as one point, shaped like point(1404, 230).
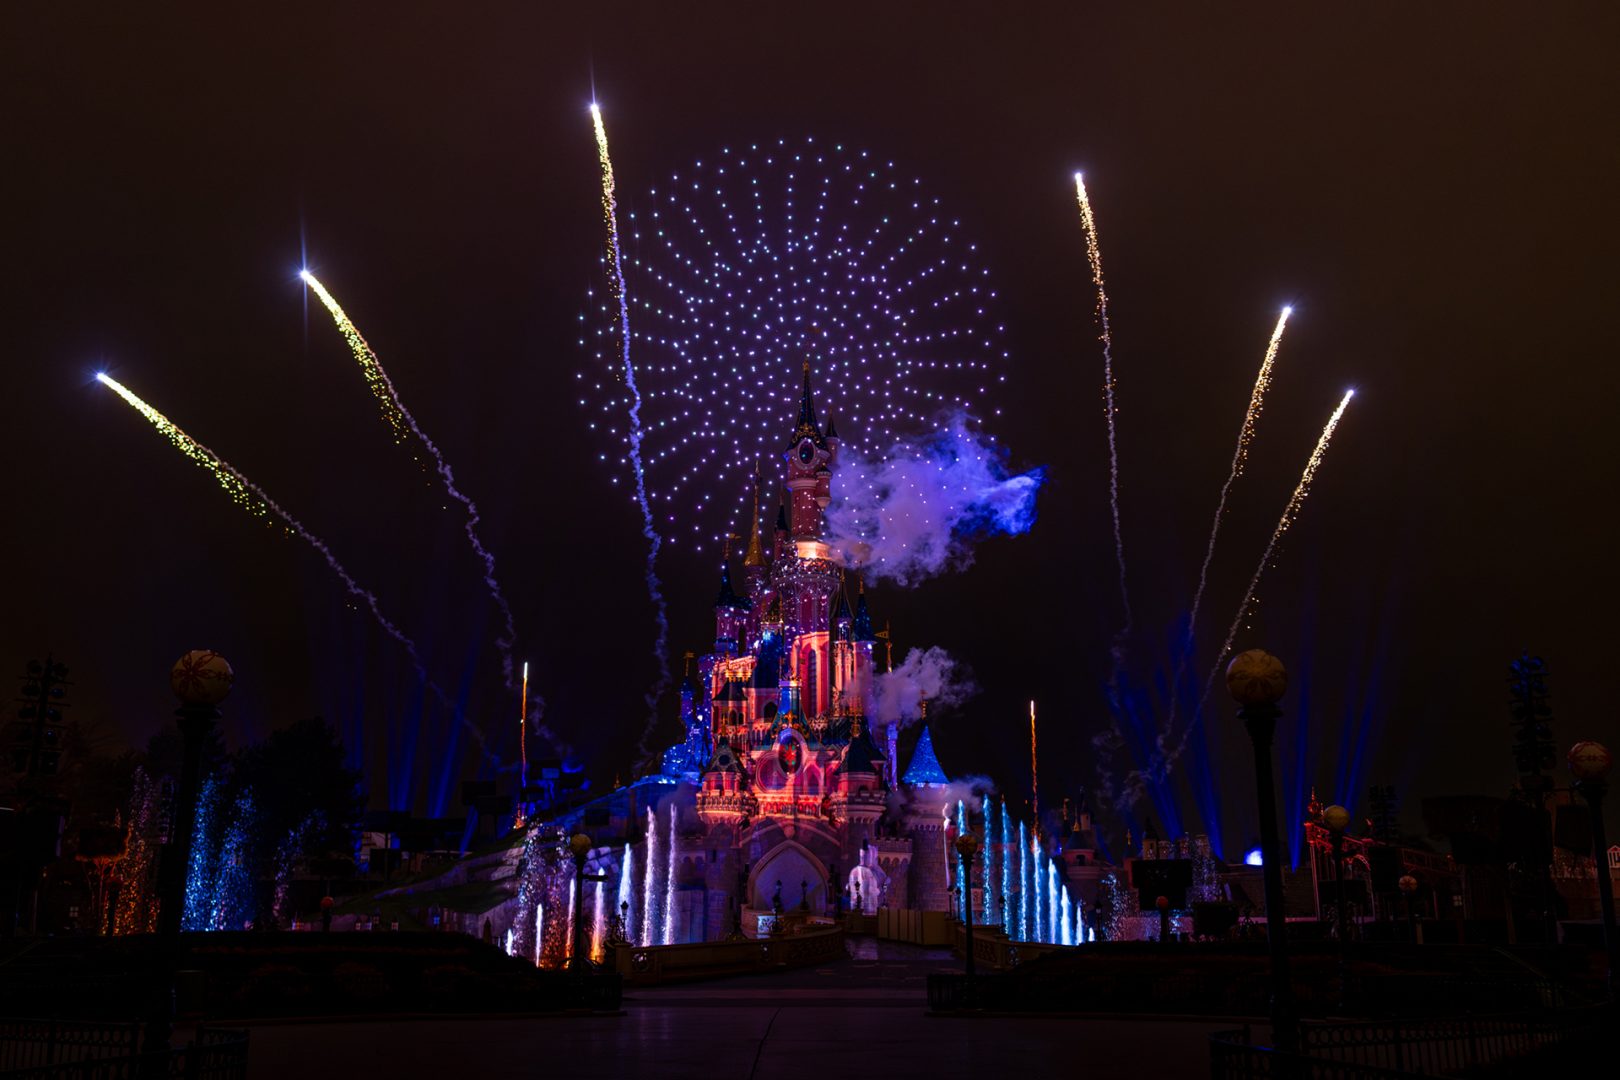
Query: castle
point(795, 793)
point(783, 796)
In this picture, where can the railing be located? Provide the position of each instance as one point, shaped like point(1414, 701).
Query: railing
point(68, 1050)
point(28, 1043)
point(1446, 1046)
point(646, 964)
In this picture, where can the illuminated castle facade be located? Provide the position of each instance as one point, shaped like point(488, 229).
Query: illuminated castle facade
point(795, 792)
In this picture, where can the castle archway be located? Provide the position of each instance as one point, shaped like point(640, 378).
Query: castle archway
point(801, 875)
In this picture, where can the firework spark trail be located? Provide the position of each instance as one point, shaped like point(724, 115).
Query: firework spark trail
point(1295, 501)
point(403, 423)
point(1240, 457)
point(248, 495)
point(610, 216)
point(1094, 253)
point(1110, 741)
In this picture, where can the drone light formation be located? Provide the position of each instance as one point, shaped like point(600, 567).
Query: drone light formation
point(403, 423)
point(754, 260)
point(615, 255)
point(248, 495)
point(1088, 222)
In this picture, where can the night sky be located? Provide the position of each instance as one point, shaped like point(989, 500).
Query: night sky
point(1430, 186)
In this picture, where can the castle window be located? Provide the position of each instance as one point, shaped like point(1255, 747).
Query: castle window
point(810, 706)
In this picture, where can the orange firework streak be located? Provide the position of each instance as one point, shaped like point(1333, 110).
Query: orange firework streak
point(1034, 771)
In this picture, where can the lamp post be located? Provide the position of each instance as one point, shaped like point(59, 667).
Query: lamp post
point(200, 680)
point(1409, 886)
point(1163, 904)
point(580, 846)
point(1589, 763)
point(1256, 680)
point(1337, 819)
point(967, 845)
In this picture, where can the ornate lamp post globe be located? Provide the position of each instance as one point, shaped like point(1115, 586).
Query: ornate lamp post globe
point(1336, 818)
point(201, 677)
point(1589, 761)
point(580, 845)
point(1408, 884)
point(1256, 677)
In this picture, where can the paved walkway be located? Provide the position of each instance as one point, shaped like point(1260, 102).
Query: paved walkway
point(863, 1017)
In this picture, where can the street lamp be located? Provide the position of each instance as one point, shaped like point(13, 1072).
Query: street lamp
point(1256, 680)
point(580, 845)
point(967, 845)
point(1409, 886)
point(201, 679)
point(1589, 763)
point(1337, 819)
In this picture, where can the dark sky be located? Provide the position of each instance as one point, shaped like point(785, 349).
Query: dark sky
point(1431, 187)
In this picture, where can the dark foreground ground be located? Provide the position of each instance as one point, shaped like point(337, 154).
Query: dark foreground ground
point(863, 1017)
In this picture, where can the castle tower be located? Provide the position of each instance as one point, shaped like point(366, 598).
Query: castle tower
point(730, 616)
point(804, 575)
point(756, 575)
point(810, 457)
point(859, 796)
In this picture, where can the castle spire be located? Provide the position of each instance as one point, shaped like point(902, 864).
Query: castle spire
point(755, 555)
point(807, 427)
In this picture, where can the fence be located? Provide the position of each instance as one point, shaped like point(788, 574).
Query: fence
point(75, 1050)
point(1446, 1046)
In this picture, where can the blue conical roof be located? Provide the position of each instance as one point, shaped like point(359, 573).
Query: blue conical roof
point(924, 767)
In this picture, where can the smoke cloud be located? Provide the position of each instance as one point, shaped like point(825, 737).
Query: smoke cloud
point(917, 510)
point(931, 673)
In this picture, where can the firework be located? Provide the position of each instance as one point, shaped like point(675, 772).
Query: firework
point(1290, 512)
point(403, 423)
point(1240, 457)
point(1105, 335)
point(754, 260)
point(248, 495)
point(1284, 523)
point(1034, 772)
point(523, 729)
point(610, 218)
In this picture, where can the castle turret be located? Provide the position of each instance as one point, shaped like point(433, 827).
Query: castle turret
point(756, 577)
point(859, 796)
point(730, 616)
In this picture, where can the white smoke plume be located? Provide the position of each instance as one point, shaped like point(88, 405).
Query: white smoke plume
point(932, 673)
point(916, 511)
